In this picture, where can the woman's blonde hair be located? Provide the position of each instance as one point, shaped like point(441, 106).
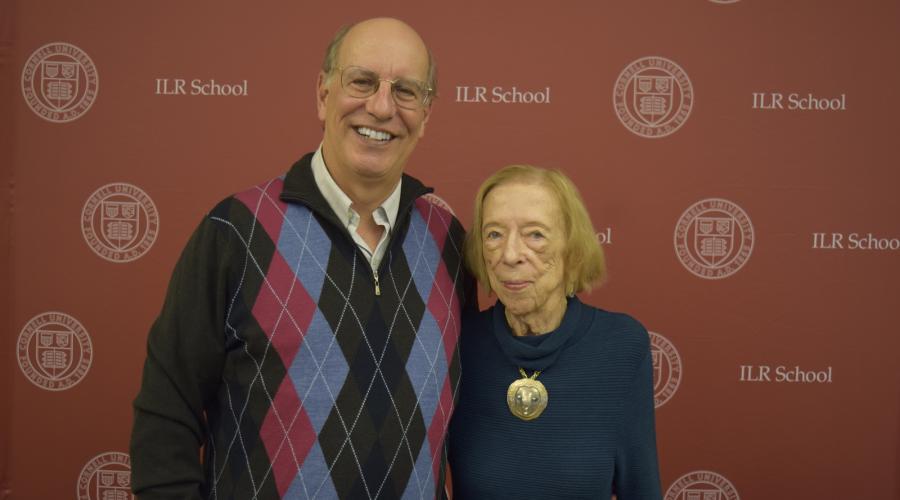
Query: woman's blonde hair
point(583, 260)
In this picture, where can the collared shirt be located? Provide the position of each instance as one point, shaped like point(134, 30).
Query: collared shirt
point(385, 215)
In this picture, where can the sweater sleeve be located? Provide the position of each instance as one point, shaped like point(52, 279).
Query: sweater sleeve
point(182, 372)
point(636, 474)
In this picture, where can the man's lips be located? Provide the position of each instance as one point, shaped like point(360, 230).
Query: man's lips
point(374, 134)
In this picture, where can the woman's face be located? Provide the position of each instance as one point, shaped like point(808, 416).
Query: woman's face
point(523, 244)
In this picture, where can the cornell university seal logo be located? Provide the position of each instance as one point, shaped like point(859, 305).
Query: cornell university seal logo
point(119, 222)
point(666, 369)
point(713, 238)
point(653, 97)
point(702, 485)
point(108, 475)
point(59, 82)
point(54, 351)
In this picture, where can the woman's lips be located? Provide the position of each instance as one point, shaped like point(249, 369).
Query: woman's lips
point(515, 286)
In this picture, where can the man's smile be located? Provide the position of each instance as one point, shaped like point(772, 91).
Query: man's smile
point(375, 135)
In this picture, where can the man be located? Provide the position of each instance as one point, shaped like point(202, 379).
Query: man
point(307, 347)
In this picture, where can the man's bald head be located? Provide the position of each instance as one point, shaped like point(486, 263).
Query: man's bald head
point(378, 27)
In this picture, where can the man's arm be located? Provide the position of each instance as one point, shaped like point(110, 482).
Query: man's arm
point(182, 372)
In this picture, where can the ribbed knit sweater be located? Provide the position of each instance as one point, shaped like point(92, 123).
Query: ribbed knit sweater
point(596, 436)
point(300, 372)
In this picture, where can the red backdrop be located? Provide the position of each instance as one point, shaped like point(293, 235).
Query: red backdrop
point(738, 159)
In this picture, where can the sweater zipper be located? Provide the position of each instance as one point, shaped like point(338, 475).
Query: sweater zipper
point(403, 210)
point(375, 279)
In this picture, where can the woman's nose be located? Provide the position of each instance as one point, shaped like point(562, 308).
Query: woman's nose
point(512, 250)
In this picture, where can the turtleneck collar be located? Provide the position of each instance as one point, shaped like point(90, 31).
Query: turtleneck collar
point(541, 351)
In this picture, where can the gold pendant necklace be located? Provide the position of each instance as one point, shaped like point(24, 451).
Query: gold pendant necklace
point(527, 397)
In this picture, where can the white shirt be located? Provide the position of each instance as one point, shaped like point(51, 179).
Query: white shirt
point(385, 215)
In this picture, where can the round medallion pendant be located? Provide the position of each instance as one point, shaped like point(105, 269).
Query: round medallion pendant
point(527, 398)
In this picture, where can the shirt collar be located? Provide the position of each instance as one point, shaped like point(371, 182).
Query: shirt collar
point(339, 201)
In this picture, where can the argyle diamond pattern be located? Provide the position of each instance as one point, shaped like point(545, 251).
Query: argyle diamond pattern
point(349, 394)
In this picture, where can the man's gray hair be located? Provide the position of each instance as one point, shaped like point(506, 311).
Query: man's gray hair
point(331, 55)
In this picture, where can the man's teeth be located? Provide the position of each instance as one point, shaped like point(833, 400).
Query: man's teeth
point(373, 134)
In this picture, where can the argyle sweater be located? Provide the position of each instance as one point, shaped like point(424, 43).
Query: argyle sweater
point(299, 371)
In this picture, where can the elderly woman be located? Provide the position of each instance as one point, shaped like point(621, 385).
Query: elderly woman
point(556, 397)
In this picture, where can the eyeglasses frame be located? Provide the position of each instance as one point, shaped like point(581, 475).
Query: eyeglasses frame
point(426, 99)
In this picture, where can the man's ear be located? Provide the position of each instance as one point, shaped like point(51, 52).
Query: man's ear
point(427, 110)
point(321, 94)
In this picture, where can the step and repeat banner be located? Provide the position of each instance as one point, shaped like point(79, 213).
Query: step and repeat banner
point(739, 160)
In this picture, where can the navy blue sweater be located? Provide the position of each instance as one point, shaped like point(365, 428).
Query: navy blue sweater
point(597, 434)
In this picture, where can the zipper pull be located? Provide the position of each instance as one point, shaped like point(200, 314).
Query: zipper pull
point(377, 286)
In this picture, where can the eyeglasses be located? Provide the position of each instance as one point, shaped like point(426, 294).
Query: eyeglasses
point(408, 93)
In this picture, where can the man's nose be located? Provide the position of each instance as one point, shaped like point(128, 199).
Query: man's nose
point(381, 104)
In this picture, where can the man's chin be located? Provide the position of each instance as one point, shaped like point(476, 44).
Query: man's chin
point(375, 171)
point(377, 164)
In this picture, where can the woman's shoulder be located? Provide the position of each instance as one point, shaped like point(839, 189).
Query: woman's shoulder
point(620, 328)
point(476, 322)
point(475, 316)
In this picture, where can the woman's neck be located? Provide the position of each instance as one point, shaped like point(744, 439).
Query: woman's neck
point(544, 320)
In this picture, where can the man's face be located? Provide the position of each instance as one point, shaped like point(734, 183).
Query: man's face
point(370, 139)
